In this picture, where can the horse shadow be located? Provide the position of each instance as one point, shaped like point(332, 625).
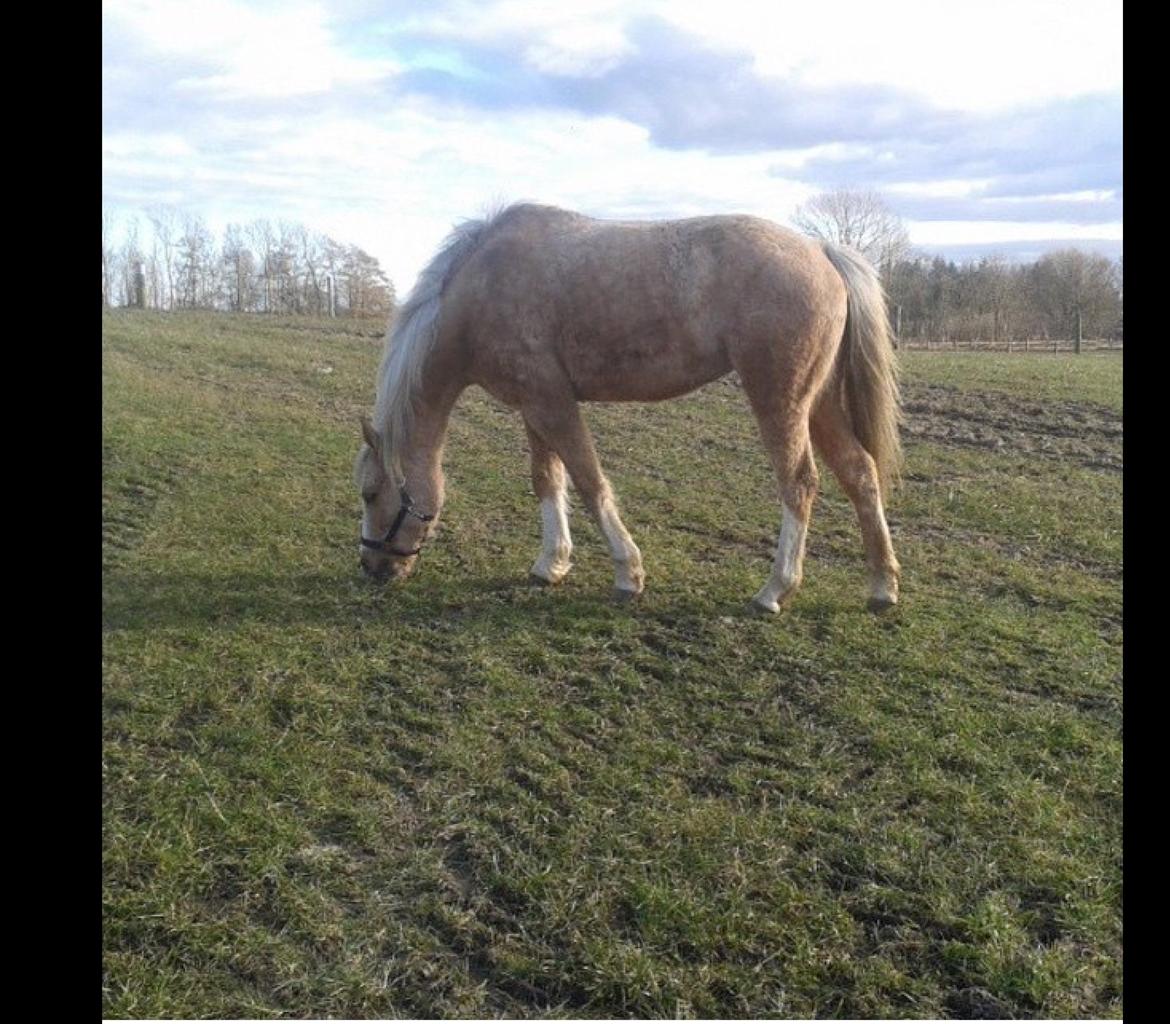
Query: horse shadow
point(137, 600)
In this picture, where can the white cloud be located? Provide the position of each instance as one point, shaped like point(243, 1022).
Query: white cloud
point(278, 52)
point(944, 232)
point(948, 189)
point(423, 191)
point(972, 56)
point(122, 145)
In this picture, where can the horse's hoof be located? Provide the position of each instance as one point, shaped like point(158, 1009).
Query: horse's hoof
point(626, 596)
point(879, 605)
point(548, 576)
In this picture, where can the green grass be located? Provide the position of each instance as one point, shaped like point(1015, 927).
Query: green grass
point(470, 797)
point(1090, 377)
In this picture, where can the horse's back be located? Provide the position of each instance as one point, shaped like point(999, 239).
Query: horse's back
point(639, 310)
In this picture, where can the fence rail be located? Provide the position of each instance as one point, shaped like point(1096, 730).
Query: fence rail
point(1029, 345)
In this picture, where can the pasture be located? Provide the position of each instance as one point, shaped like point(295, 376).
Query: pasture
point(469, 796)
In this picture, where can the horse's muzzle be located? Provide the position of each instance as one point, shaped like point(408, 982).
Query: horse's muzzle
point(376, 574)
point(389, 569)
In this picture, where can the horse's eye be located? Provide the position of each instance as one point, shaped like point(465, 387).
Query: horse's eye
point(369, 497)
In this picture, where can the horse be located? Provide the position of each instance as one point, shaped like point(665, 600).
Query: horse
point(544, 309)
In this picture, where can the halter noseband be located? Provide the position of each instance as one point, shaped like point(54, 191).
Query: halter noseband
point(407, 509)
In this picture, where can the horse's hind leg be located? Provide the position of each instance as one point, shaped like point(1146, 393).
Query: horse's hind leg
point(782, 413)
point(548, 481)
point(558, 423)
point(788, 444)
point(855, 469)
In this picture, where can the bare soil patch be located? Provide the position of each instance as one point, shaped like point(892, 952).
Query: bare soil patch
point(1077, 432)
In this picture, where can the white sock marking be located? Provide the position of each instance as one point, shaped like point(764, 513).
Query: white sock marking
point(627, 559)
point(787, 567)
point(556, 545)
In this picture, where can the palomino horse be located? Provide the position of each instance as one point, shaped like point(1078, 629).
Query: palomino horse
point(544, 309)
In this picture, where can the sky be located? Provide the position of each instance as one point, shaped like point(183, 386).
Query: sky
point(987, 127)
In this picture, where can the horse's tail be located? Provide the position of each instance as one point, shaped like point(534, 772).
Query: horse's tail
point(866, 377)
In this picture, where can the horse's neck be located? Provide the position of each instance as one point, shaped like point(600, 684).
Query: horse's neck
point(422, 454)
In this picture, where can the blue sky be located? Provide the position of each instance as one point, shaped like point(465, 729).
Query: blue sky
point(988, 127)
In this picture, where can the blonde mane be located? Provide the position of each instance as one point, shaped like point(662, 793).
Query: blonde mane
point(412, 337)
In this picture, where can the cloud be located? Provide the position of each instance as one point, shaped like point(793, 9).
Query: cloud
point(690, 96)
point(684, 93)
point(1064, 146)
point(234, 50)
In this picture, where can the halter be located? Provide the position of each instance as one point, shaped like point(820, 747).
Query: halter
point(407, 509)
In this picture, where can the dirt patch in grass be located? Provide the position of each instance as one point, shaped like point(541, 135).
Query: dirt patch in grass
point(1075, 432)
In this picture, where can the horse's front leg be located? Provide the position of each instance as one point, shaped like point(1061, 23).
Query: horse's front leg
point(558, 422)
point(548, 481)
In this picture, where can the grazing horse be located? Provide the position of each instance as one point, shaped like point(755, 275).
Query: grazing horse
point(545, 309)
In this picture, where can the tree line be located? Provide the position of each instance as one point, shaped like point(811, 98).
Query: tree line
point(259, 267)
point(282, 267)
point(1064, 294)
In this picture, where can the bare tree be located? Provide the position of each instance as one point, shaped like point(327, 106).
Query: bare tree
point(861, 220)
point(1118, 327)
point(288, 267)
point(368, 290)
point(993, 294)
point(165, 221)
point(263, 240)
point(196, 265)
point(239, 267)
point(130, 264)
point(1077, 290)
point(311, 248)
point(107, 257)
point(152, 274)
point(333, 257)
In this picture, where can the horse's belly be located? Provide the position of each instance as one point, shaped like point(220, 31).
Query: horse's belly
point(645, 369)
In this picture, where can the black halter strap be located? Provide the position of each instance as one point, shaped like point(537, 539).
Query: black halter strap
point(407, 509)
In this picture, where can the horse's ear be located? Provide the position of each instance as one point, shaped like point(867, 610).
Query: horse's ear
point(370, 434)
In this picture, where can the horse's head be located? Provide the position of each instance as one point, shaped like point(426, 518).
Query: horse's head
point(393, 530)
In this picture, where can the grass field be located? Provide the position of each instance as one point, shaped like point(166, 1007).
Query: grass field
point(472, 797)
